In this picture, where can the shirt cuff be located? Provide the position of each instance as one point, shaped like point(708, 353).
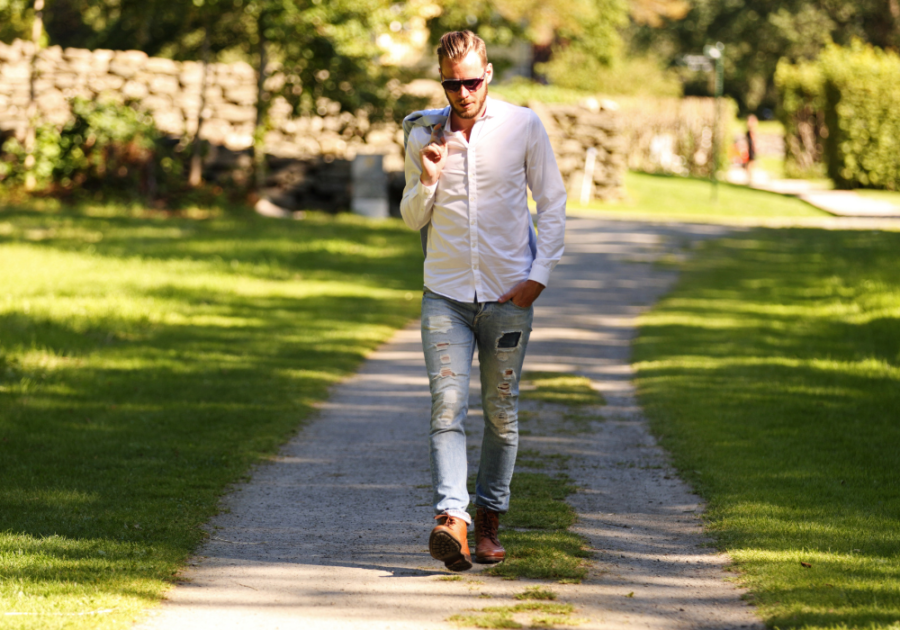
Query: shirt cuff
point(539, 273)
point(426, 191)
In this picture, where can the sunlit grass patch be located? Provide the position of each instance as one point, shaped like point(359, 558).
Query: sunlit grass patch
point(671, 197)
point(542, 607)
point(145, 364)
point(538, 502)
point(889, 196)
point(494, 620)
point(544, 555)
point(535, 460)
point(559, 388)
point(772, 373)
point(536, 592)
point(536, 614)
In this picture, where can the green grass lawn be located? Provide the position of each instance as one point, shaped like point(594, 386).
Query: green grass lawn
point(145, 364)
point(891, 196)
point(772, 374)
point(667, 197)
point(772, 165)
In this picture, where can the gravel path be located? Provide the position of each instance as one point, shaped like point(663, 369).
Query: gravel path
point(333, 532)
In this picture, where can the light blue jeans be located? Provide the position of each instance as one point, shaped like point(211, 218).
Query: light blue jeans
point(450, 332)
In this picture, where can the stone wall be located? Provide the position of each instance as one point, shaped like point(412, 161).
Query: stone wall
point(675, 135)
point(575, 129)
point(174, 93)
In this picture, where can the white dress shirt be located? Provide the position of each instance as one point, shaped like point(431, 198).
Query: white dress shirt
point(480, 226)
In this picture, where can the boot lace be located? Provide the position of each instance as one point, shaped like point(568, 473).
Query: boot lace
point(487, 527)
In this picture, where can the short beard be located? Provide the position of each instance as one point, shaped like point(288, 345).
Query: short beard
point(478, 111)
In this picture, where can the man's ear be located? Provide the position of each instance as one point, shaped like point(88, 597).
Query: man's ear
point(490, 72)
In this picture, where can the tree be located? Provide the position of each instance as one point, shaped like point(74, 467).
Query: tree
point(323, 49)
point(16, 17)
point(758, 33)
point(588, 29)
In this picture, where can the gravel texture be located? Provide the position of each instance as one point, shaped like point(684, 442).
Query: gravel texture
point(333, 532)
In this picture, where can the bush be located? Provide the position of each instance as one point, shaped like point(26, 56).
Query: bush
point(106, 145)
point(862, 114)
point(841, 115)
point(801, 109)
point(46, 155)
point(108, 149)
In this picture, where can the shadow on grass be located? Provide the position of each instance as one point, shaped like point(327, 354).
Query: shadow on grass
point(319, 247)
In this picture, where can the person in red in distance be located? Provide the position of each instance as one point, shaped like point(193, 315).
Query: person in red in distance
point(750, 161)
point(467, 179)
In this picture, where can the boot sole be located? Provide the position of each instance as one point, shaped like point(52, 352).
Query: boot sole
point(447, 549)
point(489, 559)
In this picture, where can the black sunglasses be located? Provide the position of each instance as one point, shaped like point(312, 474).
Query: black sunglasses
point(455, 85)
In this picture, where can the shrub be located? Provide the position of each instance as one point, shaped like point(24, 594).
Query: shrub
point(108, 149)
point(46, 155)
point(841, 115)
point(801, 109)
point(862, 113)
point(106, 144)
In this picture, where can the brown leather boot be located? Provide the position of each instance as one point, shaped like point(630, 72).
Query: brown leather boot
point(449, 543)
point(488, 549)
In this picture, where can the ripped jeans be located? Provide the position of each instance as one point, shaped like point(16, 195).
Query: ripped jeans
point(450, 332)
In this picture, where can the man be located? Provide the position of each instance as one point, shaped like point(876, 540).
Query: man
point(484, 267)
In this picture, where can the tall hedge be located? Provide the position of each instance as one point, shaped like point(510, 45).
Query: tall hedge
point(841, 115)
point(801, 110)
point(862, 114)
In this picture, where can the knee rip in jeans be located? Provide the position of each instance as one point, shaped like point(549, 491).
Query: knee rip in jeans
point(448, 405)
point(505, 425)
point(505, 389)
point(439, 324)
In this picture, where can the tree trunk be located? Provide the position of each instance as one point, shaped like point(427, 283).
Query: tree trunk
point(196, 176)
point(259, 150)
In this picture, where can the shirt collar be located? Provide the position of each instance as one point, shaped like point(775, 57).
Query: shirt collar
point(491, 110)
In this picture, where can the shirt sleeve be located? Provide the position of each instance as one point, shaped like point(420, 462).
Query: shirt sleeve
point(418, 199)
point(549, 193)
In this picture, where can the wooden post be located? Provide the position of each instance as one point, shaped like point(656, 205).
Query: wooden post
point(196, 174)
point(259, 149)
point(37, 28)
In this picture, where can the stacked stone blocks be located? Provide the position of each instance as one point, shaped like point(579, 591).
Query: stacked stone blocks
point(173, 93)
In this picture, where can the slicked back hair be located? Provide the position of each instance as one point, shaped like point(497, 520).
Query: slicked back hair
point(457, 44)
